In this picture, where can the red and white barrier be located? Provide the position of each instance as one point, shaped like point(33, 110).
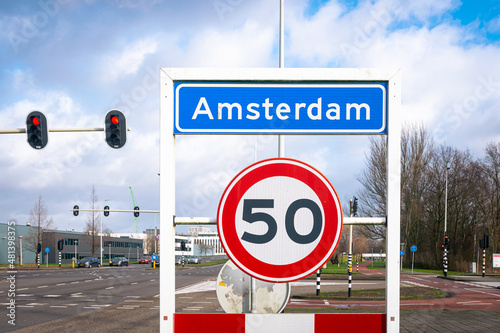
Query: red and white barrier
point(275, 323)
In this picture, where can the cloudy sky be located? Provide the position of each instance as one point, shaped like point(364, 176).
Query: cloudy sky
point(76, 60)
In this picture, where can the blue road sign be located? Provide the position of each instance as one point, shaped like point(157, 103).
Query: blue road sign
point(413, 248)
point(280, 108)
point(47, 250)
point(154, 257)
point(402, 253)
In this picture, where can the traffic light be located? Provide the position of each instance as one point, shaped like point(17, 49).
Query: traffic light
point(136, 213)
point(36, 130)
point(76, 210)
point(106, 210)
point(446, 242)
point(115, 127)
point(39, 248)
point(355, 207)
point(60, 245)
point(183, 246)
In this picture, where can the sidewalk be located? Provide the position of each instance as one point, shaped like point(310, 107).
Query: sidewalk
point(449, 321)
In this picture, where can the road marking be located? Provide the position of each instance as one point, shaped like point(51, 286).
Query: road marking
point(482, 292)
point(33, 304)
point(88, 280)
point(59, 306)
point(25, 295)
point(71, 304)
point(22, 289)
point(51, 295)
point(417, 304)
point(134, 283)
point(61, 284)
point(138, 300)
point(109, 288)
point(42, 286)
point(24, 306)
point(75, 282)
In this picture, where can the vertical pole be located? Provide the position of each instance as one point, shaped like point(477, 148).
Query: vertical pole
point(349, 256)
point(484, 261)
point(281, 138)
point(38, 259)
point(445, 254)
point(167, 204)
point(21, 251)
point(412, 260)
point(445, 262)
point(393, 230)
point(59, 259)
point(318, 282)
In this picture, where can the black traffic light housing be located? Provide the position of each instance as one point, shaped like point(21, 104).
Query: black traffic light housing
point(39, 248)
point(355, 207)
point(76, 210)
point(60, 245)
point(106, 210)
point(115, 128)
point(446, 242)
point(136, 213)
point(183, 246)
point(36, 130)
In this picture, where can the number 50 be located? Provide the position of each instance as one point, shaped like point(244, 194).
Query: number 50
point(250, 216)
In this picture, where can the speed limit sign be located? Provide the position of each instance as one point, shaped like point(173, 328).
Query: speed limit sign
point(279, 220)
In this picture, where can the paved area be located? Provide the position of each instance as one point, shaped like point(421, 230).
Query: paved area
point(450, 321)
point(143, 316)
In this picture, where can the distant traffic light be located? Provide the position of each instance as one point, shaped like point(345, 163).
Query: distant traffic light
point(106, 210)
point(115, 127)
point(36, 130)
point(76, 210)
point(136, 213)
point(446, 242)
point(355, 207)
point(183, 246)
point(60, 245)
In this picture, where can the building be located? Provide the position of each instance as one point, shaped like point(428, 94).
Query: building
point(79, 245)
point(13, 244)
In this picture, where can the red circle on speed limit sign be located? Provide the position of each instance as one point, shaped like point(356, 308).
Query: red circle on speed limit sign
point(279, 220)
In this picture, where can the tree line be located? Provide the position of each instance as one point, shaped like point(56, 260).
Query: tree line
point(472, 191)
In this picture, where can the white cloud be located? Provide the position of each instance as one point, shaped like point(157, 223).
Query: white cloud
point(128, 60)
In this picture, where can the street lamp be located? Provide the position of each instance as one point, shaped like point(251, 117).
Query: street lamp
point(445, 250)
point(21, 250)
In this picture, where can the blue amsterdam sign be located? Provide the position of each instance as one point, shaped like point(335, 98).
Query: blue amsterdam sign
point(280, 108)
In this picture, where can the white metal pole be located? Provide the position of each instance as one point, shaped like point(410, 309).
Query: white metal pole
point(167, 205)
point(281, 138)
point(393, 203)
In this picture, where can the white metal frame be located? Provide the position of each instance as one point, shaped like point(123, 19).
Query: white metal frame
point(296, 75)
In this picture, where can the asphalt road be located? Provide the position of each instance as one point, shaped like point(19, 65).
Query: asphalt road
point(47, 295)
point(120, 298)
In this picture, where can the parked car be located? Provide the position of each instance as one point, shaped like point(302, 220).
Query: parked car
point(119, 261)
point(157, 262)
point(89, 262)
point(194, 260)
point(145, 260)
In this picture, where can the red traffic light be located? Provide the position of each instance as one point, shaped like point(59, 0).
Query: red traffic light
point(35, 120)
point(114, 119)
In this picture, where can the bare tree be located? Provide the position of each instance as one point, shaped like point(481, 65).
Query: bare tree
point(40, 222)
point(92, 226)
point(489, 198)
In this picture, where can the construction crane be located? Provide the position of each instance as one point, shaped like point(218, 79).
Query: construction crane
point(133, 201)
